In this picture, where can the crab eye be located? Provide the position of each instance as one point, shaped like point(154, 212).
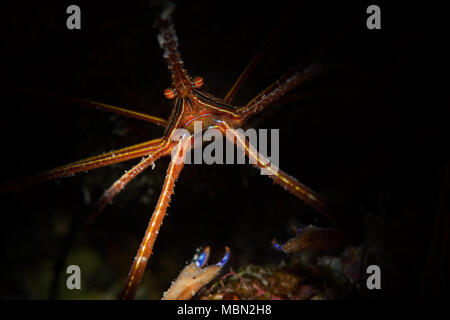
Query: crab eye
point(198, 82)
point(169, 93)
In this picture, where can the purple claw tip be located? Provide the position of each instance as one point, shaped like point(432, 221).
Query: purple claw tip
point(202, 258)
point(225, 258)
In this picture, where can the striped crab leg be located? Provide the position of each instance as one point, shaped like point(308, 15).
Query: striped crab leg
point(146, 246)
point(155, 143)
point(289, 183)
point(117, 186)
point(136, 151)
point(276, 91)
point(97, 105)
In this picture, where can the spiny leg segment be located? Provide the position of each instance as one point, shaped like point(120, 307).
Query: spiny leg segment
point(152, 144)
point(276, 90)
point(279, 177)
point(146, 246)
point(131, 174)
point(168, 41)
point(99, 161)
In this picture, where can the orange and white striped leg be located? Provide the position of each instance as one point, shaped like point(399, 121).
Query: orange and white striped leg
point(119, 184)
point(276, 91)
point(145, 249)
point(99, 161)
point(279, 177)
point(97, 105)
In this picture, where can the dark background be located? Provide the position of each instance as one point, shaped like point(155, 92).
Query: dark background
point(370, 134)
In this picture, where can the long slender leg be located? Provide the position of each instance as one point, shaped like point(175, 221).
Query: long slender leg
point(104, 200)
point(145, 249)
point(279, 177)
point(99, 105)
point(275, 91)
point(117, 186)
point(147, 144)
point(82, 165)
point(252, 64)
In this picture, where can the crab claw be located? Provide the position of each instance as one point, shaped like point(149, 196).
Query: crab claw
point(201, 260)
point(225, 258)
point(195, 275)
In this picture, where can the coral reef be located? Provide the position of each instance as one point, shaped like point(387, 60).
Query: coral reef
point(305, 276)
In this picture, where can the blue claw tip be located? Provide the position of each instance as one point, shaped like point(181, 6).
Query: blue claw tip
point(202, 258)
point(225, 258)
point(276, 245)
